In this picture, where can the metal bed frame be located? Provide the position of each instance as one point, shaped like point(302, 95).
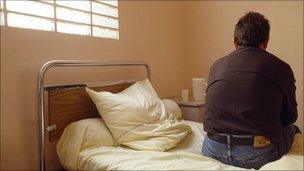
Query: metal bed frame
point(41, 90)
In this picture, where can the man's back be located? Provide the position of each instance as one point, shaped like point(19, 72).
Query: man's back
point(250, 92)
point(250, 103)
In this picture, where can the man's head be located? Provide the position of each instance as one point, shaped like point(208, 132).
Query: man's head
point(252, 30)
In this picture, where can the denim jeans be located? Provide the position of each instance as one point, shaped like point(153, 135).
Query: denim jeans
point(248, 156)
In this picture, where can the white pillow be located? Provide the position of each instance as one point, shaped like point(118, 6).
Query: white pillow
point(80, 135)
point(137, 118)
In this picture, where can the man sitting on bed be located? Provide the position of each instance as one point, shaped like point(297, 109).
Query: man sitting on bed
point(250, 102)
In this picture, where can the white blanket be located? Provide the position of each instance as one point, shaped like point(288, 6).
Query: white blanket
point(186, 156)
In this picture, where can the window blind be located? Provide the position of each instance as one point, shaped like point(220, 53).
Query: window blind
point(96, 18)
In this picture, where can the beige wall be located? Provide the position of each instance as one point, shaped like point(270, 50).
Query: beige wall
point(149, 31)
point(209, 31)
point(179, 39)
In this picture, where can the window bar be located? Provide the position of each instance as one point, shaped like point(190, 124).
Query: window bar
point(26, 14)
point(80, 10)
point(110, 5)
point(67, 21)
point(55, 15)
point(5, 13)
point(91, 17)
point(76, 22)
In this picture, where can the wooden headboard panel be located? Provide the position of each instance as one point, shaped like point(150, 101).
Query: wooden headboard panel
point(71, 103)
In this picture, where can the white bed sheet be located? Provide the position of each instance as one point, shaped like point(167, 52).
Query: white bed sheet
point(193, 142)
point(186, 156)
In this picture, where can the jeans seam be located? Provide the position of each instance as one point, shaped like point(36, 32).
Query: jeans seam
point(229, 149)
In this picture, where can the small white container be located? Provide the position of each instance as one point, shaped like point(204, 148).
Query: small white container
point(199, 86)
point(185, 94)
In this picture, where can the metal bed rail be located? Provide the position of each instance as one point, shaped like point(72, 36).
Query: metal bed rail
point(70, 63)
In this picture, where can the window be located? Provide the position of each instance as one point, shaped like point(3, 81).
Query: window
point(98, 18)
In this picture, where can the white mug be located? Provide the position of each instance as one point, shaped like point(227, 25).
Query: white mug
point(185, 94)
point(199, 86)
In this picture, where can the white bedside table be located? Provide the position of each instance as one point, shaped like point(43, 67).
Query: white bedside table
point(191, 110)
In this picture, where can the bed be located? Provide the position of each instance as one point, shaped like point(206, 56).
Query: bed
point(62, 105)
point(186, 156)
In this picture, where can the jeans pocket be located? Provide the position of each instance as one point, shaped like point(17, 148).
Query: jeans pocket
point(215, 150)
point(259, 157)
point(209, 152)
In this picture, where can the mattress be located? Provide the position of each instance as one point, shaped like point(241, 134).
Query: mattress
point(186, 156)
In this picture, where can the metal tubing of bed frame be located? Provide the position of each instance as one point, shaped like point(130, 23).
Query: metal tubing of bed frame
point(70, 63)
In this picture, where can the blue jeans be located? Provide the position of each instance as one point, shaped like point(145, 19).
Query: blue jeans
point(248, 156)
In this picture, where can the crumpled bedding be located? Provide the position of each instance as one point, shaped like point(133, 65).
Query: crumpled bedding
point(186, 156)
point(137, 118)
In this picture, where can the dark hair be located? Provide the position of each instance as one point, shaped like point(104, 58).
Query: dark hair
point(251, 30)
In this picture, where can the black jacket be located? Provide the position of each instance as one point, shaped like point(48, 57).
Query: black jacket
point(250, 92)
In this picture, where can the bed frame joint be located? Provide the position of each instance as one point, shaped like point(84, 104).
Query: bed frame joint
point(50, 128)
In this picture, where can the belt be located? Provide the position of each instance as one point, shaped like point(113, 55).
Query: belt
point(249, 140)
